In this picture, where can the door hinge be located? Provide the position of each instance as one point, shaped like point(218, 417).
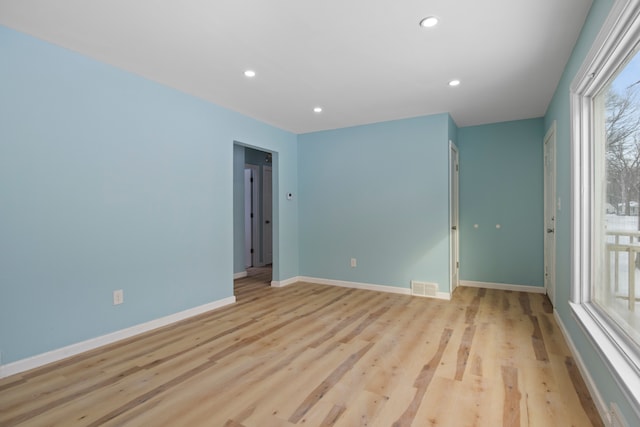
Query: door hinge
point(251, 180)
point(457, 264)
point(251, 250)
point(456, 168)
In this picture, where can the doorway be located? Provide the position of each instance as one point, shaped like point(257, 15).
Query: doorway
point(258, 208)
point(454, 174)
point(251, 209)
point(550, 213)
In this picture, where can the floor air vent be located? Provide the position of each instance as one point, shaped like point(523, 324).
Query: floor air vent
point(423, 289)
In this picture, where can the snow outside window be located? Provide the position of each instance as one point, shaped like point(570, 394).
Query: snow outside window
point(605, 192)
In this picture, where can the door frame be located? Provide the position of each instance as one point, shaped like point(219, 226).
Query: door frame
point(550, 212)
point(454, 217)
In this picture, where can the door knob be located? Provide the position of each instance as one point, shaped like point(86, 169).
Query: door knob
point(267, 222)
point(550, 230)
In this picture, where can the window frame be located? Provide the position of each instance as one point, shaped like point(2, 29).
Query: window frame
point(619, 35)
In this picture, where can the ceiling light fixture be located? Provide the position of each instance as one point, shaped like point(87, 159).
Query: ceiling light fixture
point(317, 110)
point(429, 21)
point(454, 83)
point(250, 73)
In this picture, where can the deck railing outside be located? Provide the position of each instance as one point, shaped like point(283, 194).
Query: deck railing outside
point(630, 245)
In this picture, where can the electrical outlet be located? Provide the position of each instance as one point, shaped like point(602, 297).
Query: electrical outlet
point(118, 297)
point(354, 262)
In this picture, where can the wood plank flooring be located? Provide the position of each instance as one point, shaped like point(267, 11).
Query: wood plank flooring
point(322, 356)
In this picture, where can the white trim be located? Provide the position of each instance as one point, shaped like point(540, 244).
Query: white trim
point(286, 282)
point(600, 403)
point(611, 42)
point(503, 286)
point(550, 248)
point(92, 343)
point(368, 286)
point(614, 351)
point(616, 40)
point(454, 218)
point(240, 275)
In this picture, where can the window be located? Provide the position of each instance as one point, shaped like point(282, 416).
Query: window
point(605, 114)
point(617, 184)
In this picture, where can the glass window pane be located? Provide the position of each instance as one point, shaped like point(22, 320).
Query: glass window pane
point(616, 287)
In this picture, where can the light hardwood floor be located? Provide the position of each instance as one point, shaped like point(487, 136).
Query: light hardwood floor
point(322, 356)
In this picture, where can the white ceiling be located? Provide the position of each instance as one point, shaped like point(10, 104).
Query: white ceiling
point(363, 61)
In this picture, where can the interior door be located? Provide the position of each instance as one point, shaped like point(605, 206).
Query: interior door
point(454, 173)
point(267, 215)
point(550, 213)
point(248, 257)
point(251, 236)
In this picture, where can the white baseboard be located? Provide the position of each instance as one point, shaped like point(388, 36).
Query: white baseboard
point(503, 286)
point(286, 282)
point(239, 275)
point(90, 344)
point(368, 286)
point(445, 296)
point(601, 405)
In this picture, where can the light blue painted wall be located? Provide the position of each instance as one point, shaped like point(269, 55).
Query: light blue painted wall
point(453, 130)
point(501, 182)
point(110, 181)
point(559, 111)
point(377, 193)
point(238, 208)
point(256, 157)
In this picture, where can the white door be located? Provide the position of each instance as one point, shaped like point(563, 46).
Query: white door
point(550, 213)
point(267, 216)
point(453, 213)
point(251, 235)
point(248, 256)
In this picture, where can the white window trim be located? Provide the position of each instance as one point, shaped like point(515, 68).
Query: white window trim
point(618, 36)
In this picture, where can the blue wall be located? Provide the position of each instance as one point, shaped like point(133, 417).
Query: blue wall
point(559, 111)
point(453, 131)
point(110, 181)
point(501, 182)
point(238, 208)
point(377, 193)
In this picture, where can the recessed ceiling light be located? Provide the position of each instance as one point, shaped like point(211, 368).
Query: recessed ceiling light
point(454, 82)
point(317, 110)
point(250, 73)
point(429, 21)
